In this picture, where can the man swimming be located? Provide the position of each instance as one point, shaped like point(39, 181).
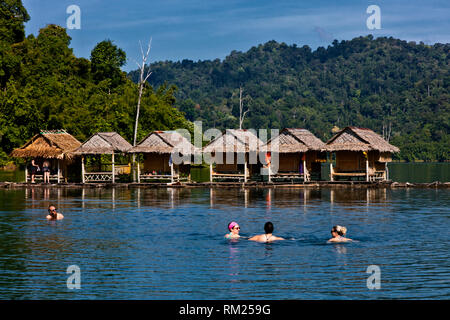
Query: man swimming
point(338, 233)
point(268, 236)
point(234, 230)
point(53, 215)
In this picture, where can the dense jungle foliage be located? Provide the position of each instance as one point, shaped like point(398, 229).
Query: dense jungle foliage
point(397, 88)
point(44, 86)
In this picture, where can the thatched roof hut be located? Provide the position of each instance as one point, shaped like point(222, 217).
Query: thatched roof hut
point(164, 142)
point(48, 144)
point(359, 139)
point(295, 140)
point(243, 146)
point(235, 140)
point(104, 143)
point(299, 155)
point(360, 153)
point(157, 149)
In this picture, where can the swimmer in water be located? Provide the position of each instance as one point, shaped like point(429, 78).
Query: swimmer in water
point(268, 236)
point(53, 215)
point(338, 233)
point(234, 231)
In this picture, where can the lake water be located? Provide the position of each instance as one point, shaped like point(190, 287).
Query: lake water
point(168, 243)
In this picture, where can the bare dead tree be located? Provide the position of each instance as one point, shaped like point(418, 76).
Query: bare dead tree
point(142, 80)
point(143, 77)
point(387, 130)
point(242, 113)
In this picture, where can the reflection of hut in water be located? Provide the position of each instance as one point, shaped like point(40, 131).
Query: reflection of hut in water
point(54, 146)
point(163, 197)
point(167, 156)
point(360, 153)
point(362, 196)
point(235, 154)
point(291, 197)
point(299, 155)
point(238, 197)
point(103, 143)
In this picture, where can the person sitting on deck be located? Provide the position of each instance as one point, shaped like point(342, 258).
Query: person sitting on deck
point(234, 230)
point(53, 215)
point(268, 236)
point(338, 233)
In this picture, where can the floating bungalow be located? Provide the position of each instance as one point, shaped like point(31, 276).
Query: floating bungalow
point(235, 155)
point(300, 154)
point(158, 149)
point(360, 154)
point(54, 146)
point(101, 143)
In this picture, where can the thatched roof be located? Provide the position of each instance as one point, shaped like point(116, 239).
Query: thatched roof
point(359, 139)
point(295, 140)
point(164, 142)
point(50, 144)
point(104, 143)
point(235, 140)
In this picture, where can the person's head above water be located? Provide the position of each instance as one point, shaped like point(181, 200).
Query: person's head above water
point(53, 214)
point(52, 211)
point(339, 230)
point(268, 227)
point(233, 226)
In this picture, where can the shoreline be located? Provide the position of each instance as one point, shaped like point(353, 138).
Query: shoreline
point(312, 184)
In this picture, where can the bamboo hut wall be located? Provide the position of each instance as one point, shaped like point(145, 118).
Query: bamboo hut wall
point(156, 162)
point(289, 162)
point(311, 157)
point(350, 161)
point(227, 167)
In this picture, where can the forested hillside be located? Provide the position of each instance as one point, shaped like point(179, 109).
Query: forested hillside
point(392, 86)
point(44, 86)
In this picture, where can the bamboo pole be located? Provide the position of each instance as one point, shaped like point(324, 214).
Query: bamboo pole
point(245, 170)
point(26, 172)
point(331, 171)
point(210, 173)
point(113, 169)
point(59, 171)
point(82, 170)
point(138, 172)
point(305, 171)
point(367, 169)
point(386, 171)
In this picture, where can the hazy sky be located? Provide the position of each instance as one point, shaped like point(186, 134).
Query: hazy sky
point(210, 29)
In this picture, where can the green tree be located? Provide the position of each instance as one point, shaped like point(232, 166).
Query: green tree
point(106, 60)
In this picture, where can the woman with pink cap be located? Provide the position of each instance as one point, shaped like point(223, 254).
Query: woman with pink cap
point(234, 230)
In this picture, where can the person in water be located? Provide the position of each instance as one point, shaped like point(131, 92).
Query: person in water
point(53, 215)
point(338, 234)
point(268, 236)
point(234, 230)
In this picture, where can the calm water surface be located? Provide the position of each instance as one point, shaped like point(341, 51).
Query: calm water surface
point(168, 244)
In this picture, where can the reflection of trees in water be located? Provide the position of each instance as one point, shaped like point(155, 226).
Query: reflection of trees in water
point(13, 245)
